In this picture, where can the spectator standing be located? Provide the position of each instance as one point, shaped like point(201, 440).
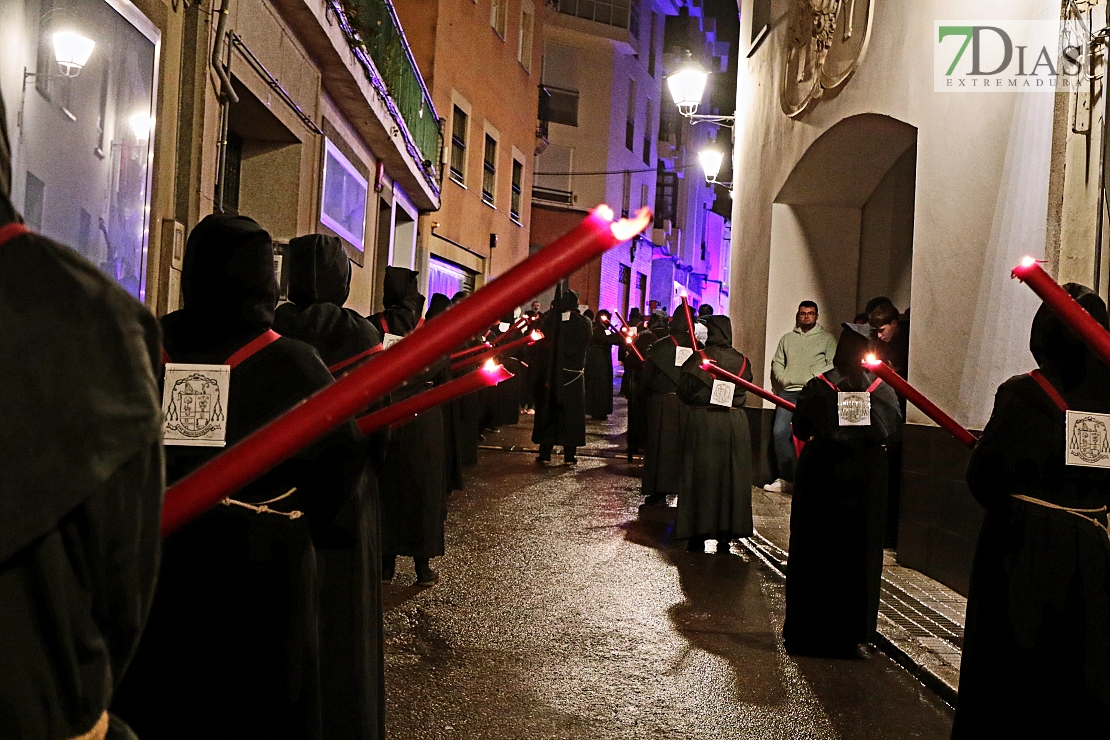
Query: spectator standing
point(802, 355)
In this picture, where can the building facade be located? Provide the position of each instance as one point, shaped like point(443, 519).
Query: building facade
point(462, 47)
point(863, 175)
point(276, 110)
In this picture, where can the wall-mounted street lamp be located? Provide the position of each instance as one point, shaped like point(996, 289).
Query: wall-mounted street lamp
point(711, 160)
point(71, 52)
point(687, 86)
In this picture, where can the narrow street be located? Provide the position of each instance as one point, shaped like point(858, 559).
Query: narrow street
point(564, 611)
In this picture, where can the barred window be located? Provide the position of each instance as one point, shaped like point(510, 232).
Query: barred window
point(489, 170)
point(458, 146)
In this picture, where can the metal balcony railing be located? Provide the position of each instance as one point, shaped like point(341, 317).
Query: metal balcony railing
point(375, 35)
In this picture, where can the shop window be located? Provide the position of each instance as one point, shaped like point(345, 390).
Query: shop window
point(448, 278)
point(343, 205)
point(84, 141)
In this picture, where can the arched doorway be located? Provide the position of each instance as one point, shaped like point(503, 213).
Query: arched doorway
point(842, 225)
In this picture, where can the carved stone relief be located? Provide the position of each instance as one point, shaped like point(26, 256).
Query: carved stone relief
point(825, 42)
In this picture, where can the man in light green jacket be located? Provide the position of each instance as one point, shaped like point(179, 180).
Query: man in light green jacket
point(802, 355)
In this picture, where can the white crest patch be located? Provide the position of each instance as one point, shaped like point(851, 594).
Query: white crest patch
point(194, 405)
point(390, 339)
point(504, 326)
point(1088, 440)
point(723, 393)
point(854, 409)
point(566, 315)
point(681, 355)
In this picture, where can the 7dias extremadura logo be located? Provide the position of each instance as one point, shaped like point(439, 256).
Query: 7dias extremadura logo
point(1010, 56)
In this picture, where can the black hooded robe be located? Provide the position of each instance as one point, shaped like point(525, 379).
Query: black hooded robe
point(413, 489)
point(560, 386)
point(1036, 655)
point(838, 515)
point(599, 370)
point(715, 493)
point(81, 487)
point(637, 397)
point(349, 554)
point(452, 413)
point(667, 414)
point(231, 648)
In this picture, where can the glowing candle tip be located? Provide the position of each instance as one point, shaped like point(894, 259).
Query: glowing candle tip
point(1028, 262)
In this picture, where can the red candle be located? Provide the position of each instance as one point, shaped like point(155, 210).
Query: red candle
point(470, 351)
point(719, 372)
point(512, 330)
point(918, 399)
point(316, 416)
point(1064, 306)
point(406, 410)
point(630, 340)
point(690, 323)
point(494, 351)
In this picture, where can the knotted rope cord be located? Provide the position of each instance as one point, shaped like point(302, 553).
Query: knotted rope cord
point(263, 507)
point(1081, 513)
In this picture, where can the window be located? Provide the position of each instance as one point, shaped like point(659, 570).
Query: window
point(343, 206)
point(626, 194)
point(630, 123)
point(518, 179)
point(626, 288)
point(527, 30)
point(647, 135)
point(560, 80)
point(554, 186)
point(666, 188)
point(447, 277)
point(45, 66)
point(34, 199)
point(489, 170)
point(644, 196)
point(761, 19)
point(634, 18)
point(458, 145)
point(499, 16)
point(641, 281)
point(651, 46)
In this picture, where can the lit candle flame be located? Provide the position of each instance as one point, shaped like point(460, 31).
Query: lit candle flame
point(491, 366)
point(628, 339)
point(871, 360)
point(1028, 262)
point(537, 336)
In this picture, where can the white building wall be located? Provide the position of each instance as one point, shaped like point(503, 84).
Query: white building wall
point(980, 205)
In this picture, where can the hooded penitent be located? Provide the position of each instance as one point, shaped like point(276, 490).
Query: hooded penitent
point(1037, 639)
point(715, 492)
point(81, 481)
point(319, 283)
point(559, 385)
point(228, 285)
point(402, 300)
point(437, 305)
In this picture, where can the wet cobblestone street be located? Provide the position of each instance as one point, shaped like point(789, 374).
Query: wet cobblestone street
point(563, 612)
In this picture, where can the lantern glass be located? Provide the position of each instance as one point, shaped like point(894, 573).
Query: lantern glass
point(711, 160)
point(687, 87)
point(72, 52)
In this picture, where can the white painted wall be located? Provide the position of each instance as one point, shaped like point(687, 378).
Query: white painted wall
point(981, 202)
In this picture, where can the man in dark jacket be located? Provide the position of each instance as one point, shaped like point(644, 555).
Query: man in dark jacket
point(1036, 658)
point(231, 649)
point(560, 385)
point(81, 487)
point(352, 668)
point(413, 485)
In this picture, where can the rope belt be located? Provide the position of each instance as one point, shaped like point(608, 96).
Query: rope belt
point(577, 374)
point(263, 508)
point(1086, 515)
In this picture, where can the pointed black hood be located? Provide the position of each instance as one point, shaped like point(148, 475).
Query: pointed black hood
point(569, 301)
point(319, 270)
point(437, 305)
point(1065, 360)
point(228, 281)
point(400, 289)
point(720, 331)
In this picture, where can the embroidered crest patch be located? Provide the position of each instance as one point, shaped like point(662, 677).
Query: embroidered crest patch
point(1088, 440)
point(854, 409)
point(681, 355)
point(194, 405)
point(390, 339)
point(723, 393)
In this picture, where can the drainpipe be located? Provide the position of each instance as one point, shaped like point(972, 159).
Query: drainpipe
point(226, 95)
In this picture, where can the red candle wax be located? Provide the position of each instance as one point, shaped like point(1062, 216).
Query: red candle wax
point(719, 372)
point(328, 408)
point(1064, 306)
point(410, 407)
point(470, 351)
point(494, 351)
point(918, 399)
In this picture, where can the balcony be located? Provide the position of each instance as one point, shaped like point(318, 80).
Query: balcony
point(617, 13)
point(374, 34)
point(552, 195)
point(543, 122)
